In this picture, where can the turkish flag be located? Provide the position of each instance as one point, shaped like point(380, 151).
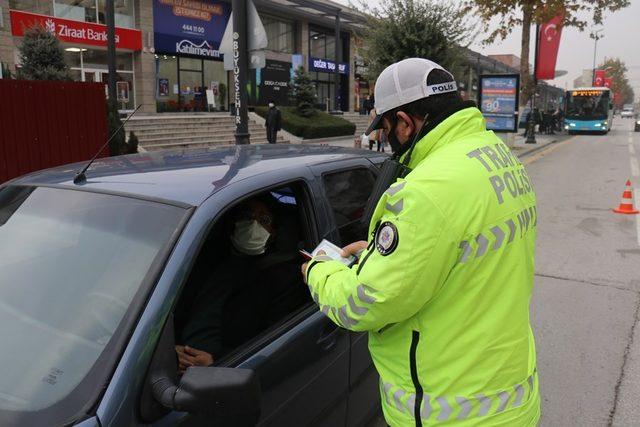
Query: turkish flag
point(608, 82)
point(598, 79)
point(548, 45)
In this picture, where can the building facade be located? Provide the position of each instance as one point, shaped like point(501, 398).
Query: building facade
point(167, 51)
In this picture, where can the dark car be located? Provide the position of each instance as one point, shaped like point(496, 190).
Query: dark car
point(96, 280)
point(636, 126)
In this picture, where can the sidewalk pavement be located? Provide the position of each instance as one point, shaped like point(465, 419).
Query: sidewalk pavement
point(519, 147)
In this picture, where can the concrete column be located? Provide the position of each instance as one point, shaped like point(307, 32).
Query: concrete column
point(144, 61)
point(6, 40)
point(352, 74)
point(304, 40)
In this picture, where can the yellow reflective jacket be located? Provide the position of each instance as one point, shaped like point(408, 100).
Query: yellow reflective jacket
point(444, 286)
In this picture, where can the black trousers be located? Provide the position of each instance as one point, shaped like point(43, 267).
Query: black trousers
point(272, 135)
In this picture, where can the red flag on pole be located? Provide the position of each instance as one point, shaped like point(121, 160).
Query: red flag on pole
point(608, 82)
point(548, 45)
point(598, 79)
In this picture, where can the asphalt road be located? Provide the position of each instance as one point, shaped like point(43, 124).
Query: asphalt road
point(586, 297)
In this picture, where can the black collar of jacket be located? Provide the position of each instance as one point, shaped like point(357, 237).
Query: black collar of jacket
point(430, 124)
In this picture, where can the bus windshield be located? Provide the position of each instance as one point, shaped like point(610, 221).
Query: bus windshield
point(587, 105)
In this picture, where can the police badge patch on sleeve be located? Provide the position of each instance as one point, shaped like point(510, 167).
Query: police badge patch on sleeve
point(386, 238)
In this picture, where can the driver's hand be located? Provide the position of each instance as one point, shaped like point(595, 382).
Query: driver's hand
point(188, 356)
point(354, 249)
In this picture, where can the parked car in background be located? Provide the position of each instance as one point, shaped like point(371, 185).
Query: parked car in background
point(636, 127)
point(627, 111)
point(96, 281)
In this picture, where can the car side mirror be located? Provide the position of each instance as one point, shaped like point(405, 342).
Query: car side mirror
point(215, 392)
point(227, 392)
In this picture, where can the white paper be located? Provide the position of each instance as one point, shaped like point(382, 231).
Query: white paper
point(333, 252)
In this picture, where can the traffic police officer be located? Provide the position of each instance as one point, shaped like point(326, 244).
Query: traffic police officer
point(444, 283)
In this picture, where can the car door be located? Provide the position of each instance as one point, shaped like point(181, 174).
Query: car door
point(302, 364)
point(345, 205)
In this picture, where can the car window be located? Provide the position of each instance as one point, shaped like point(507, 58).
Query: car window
point(246, 278)
point(70, 265)
point(348, 192)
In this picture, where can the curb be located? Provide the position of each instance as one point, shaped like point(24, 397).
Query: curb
point(542, 148)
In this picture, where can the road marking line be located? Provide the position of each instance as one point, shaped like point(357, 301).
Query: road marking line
point(635, 168)
point(546, 151)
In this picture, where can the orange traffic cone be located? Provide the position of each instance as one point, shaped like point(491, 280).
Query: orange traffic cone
point(626, 206)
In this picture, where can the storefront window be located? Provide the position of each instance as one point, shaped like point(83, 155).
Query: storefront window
point(72, 57)
point(167, 90)
point(215, 78)
point(194, 64)
point(95, 11)
point(182, 83)
point(90, 65)
point(95, 58)
point(123, 13)
point(279, 34)
point(322, 45)
point(318, 43)
point(43, 7)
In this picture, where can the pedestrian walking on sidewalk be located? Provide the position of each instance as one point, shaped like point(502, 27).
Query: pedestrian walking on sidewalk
point(273, 123)
point(374, 135)
point(382, 141)
point(443, 284)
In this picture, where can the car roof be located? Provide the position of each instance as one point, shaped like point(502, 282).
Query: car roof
point(190, 175)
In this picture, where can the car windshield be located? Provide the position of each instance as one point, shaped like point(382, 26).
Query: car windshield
point(592, 107)
point(71, 263)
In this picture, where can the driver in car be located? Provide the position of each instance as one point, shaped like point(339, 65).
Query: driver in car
point(246, 293)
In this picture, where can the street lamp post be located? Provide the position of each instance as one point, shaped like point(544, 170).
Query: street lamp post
point(111, 50)
point(338, 57)
point(240, 69)
point(596, 36)
point(531, 123)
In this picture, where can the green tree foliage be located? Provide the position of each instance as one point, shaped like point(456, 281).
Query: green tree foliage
point(617, 70)
point(302, 93)
point(41, 56)
point(118, 145)
point(400, 29)
point(524, 13)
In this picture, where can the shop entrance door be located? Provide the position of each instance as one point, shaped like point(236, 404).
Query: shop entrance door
point(192, 92)
point(93, 75)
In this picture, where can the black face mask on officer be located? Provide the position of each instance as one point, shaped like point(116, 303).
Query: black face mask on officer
point(400, 146)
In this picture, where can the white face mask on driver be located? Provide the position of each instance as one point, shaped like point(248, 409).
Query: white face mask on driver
point(250, 238)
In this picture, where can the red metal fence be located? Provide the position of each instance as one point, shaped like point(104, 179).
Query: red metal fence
point(46, 123)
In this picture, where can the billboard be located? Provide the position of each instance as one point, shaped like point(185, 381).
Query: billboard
point(272, 82)
point(192, 27)
point(498, 100)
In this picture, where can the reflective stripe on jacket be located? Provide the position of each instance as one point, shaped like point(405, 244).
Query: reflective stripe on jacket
point(445, 283)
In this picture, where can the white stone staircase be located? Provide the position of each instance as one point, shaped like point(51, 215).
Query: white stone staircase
point(361, 121)
point(160, 131)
